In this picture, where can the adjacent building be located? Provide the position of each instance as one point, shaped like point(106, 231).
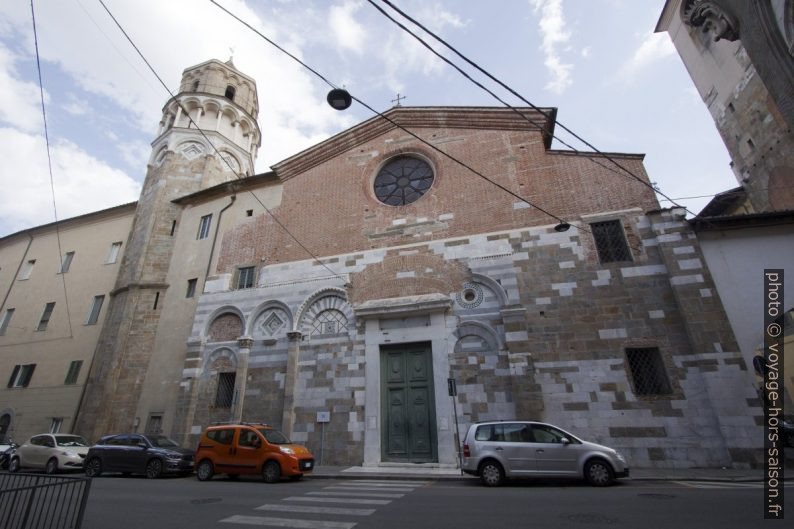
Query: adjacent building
point(341, 295)
point(740, 56)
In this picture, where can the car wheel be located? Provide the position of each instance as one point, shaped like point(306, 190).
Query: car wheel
point(205, 470)
point(154, 468)
point(93, 468)
point(598, 473)
point(13, 466)
point(271, 472)
point(491, 473)
point(52, 466)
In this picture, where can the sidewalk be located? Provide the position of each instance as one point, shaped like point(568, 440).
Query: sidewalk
point(439, 472)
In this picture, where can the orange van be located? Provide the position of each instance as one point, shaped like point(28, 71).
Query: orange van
point(245, 448)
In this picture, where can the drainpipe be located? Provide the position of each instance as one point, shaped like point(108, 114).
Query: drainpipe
point(16, 275)
point(215, 238)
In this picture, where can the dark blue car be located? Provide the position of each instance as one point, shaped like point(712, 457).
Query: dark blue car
point(150, 455)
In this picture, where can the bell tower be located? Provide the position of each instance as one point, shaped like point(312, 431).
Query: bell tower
point(222, 102)
point(208, 135)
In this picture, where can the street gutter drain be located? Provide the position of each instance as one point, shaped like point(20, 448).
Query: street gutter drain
point(202, 501)
point(589, 518)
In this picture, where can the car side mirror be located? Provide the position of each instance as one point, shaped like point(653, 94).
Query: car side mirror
point(565, 441)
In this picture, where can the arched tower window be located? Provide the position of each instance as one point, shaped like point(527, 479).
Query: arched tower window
point(195, 86)
point(229, 93)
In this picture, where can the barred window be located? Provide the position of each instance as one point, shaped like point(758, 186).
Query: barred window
point(610, 241)
point(225, 393)
point(245, 277)
point(647, 371)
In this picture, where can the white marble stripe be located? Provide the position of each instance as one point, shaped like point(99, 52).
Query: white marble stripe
point(356, 494)
point(287, 522)
point(314, 510)
point(362, 501)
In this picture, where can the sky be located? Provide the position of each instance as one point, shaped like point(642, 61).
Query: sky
point(615, 83)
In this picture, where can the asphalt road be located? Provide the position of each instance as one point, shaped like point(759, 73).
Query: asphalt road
point(138, 503)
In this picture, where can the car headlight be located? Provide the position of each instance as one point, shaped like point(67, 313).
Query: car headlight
point(286, 450)
point(620, 457)
point(67, 454)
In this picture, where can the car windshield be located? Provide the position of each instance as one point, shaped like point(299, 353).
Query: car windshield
point(161, 441)
point(275, 437)
point(70, 440)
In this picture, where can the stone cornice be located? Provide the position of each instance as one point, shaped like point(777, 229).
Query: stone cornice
point(413, 118)
point(403, 306)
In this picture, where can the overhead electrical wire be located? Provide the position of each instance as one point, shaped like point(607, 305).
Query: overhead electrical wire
point(228, 164)
point(391, 121)
point(49, 165)
point(541, 126)
point(509, 89)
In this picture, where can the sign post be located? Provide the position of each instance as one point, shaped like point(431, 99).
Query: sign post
point(452, 387)
point(322, 417)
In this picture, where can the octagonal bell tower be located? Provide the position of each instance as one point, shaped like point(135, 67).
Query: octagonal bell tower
point(221, 101)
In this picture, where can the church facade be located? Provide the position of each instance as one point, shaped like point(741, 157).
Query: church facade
point(343, 295)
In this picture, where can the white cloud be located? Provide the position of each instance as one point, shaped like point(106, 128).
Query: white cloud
point(21, 100)
point(348, 33)
point(654, 47)
point(76, 106)
point(552, 28)
point(585, 52)
point(403, 55)
point(82, 183)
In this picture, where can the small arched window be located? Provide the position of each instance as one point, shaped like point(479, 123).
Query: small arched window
point(229, 93)
point(195, 86)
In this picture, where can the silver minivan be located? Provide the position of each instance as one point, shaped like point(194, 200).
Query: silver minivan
point(499, 449)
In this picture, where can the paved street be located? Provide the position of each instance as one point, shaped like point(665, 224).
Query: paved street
point(137, 503)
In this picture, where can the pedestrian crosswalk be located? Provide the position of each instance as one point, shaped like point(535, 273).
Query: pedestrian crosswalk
point(341, 503)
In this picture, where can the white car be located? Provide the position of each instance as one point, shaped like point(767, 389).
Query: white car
point(50, 452)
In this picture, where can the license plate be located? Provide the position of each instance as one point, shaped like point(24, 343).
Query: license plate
point(306, 465)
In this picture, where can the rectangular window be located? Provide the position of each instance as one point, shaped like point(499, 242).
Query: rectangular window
point(45, 317)
point(245, 277)
point(647, 371)
point(27, 268)
point(96, 307)
point(74, 372)
point(155, 424)
point(225, 392)
point(113, 253)
point(204, 227)
point(20, 377)
point(67, 262)
point(610, 241)
point(191, 288)
point(6, 321)
point(55, 425)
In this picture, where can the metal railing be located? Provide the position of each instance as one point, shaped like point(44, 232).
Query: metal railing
point(32, 501)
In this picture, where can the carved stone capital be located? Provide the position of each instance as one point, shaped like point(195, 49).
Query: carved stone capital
point(711, 18)
point(245, 343)
point(294, 335)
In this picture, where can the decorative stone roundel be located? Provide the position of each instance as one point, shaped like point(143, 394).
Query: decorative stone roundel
point(403, 180)
point(470, 297)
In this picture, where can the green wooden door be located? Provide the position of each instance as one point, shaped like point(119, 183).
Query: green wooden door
point(408, 410)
